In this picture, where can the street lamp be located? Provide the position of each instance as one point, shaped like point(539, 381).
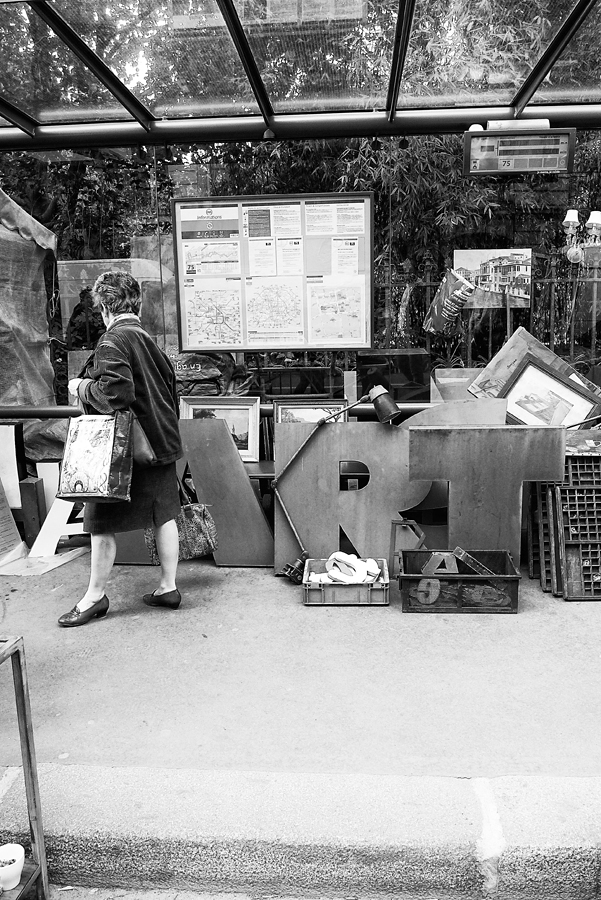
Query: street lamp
point(583, 242)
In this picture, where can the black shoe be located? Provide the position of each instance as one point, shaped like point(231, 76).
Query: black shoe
point(170, 599)
point(74, 617)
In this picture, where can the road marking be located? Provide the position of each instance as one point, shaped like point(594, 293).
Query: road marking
point(491, 843)
point(8, 779)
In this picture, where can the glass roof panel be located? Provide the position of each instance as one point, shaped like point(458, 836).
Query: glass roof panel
point(576, 75)
point(476, 52)
point(321, 55)
point(41, 76)
point(176, 57)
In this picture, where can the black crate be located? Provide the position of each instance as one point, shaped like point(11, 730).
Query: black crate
point(463, 592)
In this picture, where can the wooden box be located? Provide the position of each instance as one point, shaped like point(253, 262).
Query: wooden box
point(374, 594)
point(464, 592)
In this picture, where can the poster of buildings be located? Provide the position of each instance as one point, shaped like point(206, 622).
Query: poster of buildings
point(501, 276)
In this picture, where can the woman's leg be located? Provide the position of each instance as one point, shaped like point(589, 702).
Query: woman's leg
point(104, 549)
point(167, 540)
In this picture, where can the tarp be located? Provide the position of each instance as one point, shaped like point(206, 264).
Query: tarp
point(26, 373)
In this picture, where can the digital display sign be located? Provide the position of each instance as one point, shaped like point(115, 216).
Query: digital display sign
point(510, 152)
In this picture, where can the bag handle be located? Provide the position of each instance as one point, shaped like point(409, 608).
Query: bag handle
point(185, 496)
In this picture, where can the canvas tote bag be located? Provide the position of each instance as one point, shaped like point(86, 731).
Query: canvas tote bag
point(98, 458)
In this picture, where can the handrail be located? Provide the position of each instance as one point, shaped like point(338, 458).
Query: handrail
point(39, 412)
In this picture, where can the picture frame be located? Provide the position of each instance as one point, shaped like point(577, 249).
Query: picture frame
point(308, 410)
point(495, 375)
point(537, 394)
point(242, 415)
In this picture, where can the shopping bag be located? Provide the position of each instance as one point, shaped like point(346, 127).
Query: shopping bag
point(97, 461)
point(195, 526)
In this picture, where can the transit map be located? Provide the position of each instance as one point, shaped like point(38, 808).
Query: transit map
point(266, 272)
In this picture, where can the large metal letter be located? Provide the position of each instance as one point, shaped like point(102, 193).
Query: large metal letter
point(485, 468)
point(311, 492)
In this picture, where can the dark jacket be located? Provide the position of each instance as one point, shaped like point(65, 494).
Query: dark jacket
point(129, 371)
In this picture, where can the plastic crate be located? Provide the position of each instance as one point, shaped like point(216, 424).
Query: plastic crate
point(461, 592)
point(373, 594)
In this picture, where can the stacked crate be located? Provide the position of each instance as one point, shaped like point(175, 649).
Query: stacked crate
point(564, 529)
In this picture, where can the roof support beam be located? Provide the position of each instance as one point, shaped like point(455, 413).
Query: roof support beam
point(68, 36)
point(287, 127)
point(238, 35)
point(399, 54)
point(17, 117)
point(539, 72)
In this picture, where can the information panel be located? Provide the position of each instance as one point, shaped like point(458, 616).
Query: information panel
point(509, 152)
point(267, 272)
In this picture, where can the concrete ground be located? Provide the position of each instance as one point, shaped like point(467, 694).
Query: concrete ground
point(249, 745)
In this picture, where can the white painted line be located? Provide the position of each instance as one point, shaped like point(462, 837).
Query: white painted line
point(8, 779)
point(491, 843)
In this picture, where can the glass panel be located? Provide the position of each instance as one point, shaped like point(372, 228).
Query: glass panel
point(318, 55)
point(476, 52)
point(177, 58)
point(40, 75)
point(576, 76)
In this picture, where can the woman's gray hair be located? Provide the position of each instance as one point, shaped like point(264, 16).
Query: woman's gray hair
point(118, 292)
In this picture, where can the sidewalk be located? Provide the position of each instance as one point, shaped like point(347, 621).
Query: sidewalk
point(249, 745)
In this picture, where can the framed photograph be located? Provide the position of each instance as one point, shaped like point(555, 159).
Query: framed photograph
point(242, 415)
point(501, 277)
point(538, 394)
point(308, 410)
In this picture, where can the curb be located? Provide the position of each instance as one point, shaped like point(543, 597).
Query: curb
point(307, 835)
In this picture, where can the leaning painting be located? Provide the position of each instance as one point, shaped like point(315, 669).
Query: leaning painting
point(537, 394)
point(241, 414)
point(309, 411)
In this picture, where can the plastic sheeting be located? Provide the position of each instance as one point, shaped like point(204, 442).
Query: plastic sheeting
point(26, 373)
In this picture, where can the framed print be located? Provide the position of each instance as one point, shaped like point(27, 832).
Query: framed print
point(309, 410)
point(537, 394)
point(242, 415)
point(501, 277)
point(501, 367)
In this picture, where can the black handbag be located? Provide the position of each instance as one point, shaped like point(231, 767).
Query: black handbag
point(97, 459)
point(195, 526)
point(142, 451)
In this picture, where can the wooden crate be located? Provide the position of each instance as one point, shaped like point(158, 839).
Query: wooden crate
point(463, 592)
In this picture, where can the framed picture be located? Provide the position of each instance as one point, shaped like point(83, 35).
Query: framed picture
point(308, 410)
point(491, 380)
point(242, 415)
point(538, 394)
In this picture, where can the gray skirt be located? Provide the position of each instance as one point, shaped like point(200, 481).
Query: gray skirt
point(154, 500)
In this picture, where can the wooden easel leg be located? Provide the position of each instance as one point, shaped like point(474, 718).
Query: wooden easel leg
point(32, 789)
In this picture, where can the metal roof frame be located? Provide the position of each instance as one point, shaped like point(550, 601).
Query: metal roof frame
point(143, 128)
point(63, 30)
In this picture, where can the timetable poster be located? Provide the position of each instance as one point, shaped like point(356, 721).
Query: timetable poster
point(260, 273)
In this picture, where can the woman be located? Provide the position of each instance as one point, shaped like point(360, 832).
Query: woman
point(128, 371)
